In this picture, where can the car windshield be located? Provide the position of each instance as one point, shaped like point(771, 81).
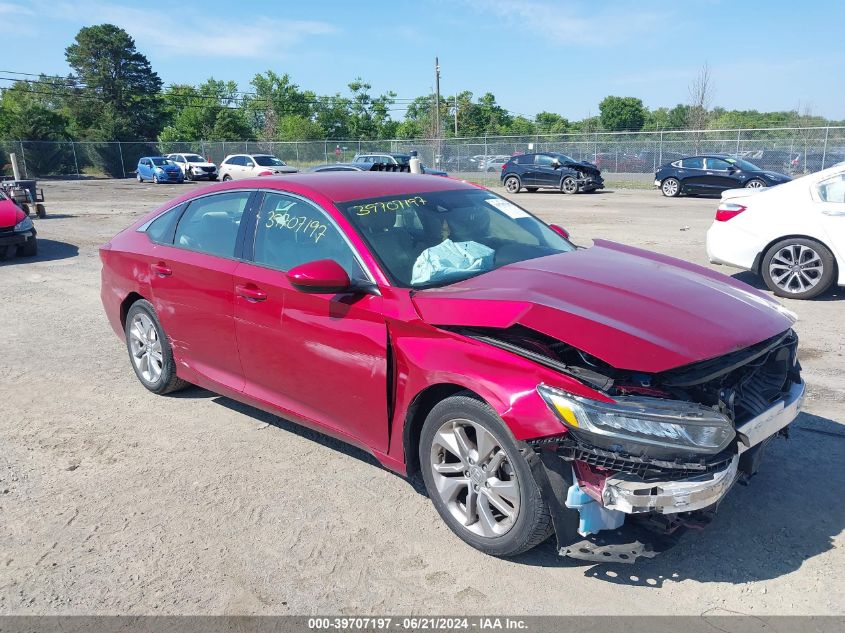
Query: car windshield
point(425, 240)
point(193, 158)
point(158, 162)
point(269, 161)
point(744, 165)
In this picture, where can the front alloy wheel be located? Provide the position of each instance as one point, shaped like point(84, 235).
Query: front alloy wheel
point(569, 185)
point(474, 478)
point(478, 479)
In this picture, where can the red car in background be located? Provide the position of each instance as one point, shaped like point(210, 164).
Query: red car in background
point(537, 386)
point(17, 232)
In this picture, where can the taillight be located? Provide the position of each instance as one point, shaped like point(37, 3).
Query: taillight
point(728, 210)
point(503, 165)
point(266, 173)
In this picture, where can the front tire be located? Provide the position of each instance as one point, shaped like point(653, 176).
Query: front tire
point(670, 187)
point(798, 268)
point(155, 179)
point(569, 185)
point(149, 350)
point(512, 184)
point(479, 481)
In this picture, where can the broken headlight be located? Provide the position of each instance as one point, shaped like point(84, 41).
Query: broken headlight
point(641, 421)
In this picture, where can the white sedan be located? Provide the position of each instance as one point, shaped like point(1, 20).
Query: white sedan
point(792, 235)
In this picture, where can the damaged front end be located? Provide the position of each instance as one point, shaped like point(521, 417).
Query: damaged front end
point(587, 175)
point(660, 451)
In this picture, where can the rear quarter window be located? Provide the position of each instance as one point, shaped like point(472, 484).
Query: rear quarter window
point(161, 229)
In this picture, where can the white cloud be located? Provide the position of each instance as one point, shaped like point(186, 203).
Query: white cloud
point(574, 23)
point(7, 8)
point(197, 38)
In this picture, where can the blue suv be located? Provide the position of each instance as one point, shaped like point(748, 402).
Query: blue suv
point(158, 169)
point(550, 170)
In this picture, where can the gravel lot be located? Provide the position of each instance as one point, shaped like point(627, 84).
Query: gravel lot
point(116, 501)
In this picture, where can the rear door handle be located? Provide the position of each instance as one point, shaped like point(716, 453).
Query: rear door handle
point(250, 292)
point(161, 270)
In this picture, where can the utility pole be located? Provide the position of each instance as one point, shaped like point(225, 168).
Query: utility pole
point(437, 97)
point(437, 109)
point(456, 115)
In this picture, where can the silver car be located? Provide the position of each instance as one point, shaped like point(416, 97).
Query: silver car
point(236, 166)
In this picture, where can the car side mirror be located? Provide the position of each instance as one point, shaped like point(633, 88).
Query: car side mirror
point(324, 276)
point(559, 230)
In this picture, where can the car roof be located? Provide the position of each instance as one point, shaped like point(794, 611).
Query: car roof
point(143, 157)
point(343, 186)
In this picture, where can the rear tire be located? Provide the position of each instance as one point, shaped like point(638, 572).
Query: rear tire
point(512, 184)
point(670, 187)
point(755, 183)
point(149, 350)
point(815, 270)
point(227, 178)
point(496, 508)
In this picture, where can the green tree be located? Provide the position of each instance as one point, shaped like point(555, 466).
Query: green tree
point(276, 97)
point(117, 90)
point(551, 123)
point(622, 113)
point(369, 117)
point(195, 113)
point(30, 112)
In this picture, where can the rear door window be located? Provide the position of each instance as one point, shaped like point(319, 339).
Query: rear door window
point(693, 163)
point(210, 224)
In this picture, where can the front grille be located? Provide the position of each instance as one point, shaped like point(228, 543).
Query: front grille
point(571, 449)
point(208, 170)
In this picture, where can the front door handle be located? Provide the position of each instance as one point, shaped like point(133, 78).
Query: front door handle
point(250, 292)
point(161, 269)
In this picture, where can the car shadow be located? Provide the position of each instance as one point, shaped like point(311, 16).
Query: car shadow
point(787, 513)
point(784, 516)
point(834, 293)
point(48, 251)
point(280, 423)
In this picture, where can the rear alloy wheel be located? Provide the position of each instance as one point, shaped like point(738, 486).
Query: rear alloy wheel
point(149, 350)
point(569, 185)
point(227, 178)
point(755, 183)
point(512, 184)
point(479, 482)
point(798, 268)
point(670, 188)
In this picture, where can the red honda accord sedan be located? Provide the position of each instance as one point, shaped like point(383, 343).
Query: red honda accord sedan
point(536, 386)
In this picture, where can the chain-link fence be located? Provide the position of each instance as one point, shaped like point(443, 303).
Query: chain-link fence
point(625, 158)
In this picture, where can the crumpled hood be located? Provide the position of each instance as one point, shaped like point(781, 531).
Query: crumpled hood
point(629, 307)
point(583, 166)
point(10, 214)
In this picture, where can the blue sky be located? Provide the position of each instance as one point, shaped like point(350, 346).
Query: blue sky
point(533, 55)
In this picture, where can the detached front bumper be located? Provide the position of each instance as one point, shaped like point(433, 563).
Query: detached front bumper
point(605, 493)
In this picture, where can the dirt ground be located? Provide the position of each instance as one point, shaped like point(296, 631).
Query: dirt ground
point(116, 501)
